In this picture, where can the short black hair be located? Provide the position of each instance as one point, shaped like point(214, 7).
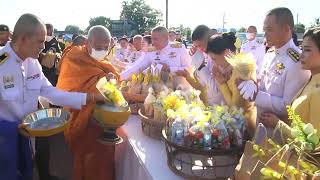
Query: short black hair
point(314, 34)
point(49, 26)
point(218, 43)
point(201, 32)
point(283, 16)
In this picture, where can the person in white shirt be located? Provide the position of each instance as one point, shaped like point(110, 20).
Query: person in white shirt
point(281, 75)
point(22, 82)
point(255, 48)
point(123, 52)
point(172, 57)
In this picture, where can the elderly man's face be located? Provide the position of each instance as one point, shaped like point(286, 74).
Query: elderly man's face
point(137, 43)
point(99, 41)
point(159, 40)
point(4, 37)
point(32, 45)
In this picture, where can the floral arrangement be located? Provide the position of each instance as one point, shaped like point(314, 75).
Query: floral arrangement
point(202, 127)
point(111, 92)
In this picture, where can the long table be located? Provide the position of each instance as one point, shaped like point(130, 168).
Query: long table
point(140, 157)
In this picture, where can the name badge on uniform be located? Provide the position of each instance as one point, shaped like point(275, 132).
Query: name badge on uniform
point(8, 81)
point(157, 56)
point(253, 47)
point(172, 55)
point(33, 77)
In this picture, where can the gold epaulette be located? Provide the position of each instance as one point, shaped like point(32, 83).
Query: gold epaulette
point(151, 49)
point(293, 54)
point(3, 57)
point(176, 44)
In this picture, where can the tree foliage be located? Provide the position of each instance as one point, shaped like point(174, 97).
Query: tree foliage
point(299, 28)
point(141, 13)
point(100, 20)
point(73, 29)
point(242, 29)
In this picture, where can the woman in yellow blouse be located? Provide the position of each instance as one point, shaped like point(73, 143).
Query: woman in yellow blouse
point(228, 73)
point(307, 101)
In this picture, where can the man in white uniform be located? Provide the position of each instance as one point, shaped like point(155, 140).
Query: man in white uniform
point(21, 84)
point(172, 57)
point(281, 74)
point(254, 47)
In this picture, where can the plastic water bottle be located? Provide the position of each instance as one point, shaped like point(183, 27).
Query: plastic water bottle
point(207, 136)
point(177, 132)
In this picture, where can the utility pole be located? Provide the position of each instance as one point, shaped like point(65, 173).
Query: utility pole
point(297, 18)
point(223, 20)
point(167, 17)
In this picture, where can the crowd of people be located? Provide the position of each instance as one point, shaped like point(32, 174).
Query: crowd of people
point(36, 66)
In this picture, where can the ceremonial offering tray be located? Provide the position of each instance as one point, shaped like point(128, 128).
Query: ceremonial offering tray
point(111, 117)
point(45, 122)
point(201, 164)
point(150, 126)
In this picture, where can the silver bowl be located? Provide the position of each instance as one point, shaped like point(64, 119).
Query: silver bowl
point(46, 122)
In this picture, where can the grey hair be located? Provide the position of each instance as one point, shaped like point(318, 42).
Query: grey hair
point(161, 29)
point(26, 25)
point(137, 37)
point(100, 29)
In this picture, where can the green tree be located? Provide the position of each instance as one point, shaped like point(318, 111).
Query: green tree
point(299, 28)
point(185, 31)
point(316, 22)
point(141, 13)
point(242, 29)
point(72, 29)
point(100, 20)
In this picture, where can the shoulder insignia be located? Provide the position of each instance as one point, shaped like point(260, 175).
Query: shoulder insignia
point(293, 54)
point(3, 58)
point(176, 45)
point(151, 49)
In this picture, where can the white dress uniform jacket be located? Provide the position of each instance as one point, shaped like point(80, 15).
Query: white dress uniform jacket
point(22, 82)
point(257, 50)
point(174, 55)
point(281, 79)
point(122, 54)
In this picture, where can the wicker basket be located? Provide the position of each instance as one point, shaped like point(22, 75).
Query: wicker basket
point(200, 164)
point(150, 126)
point(135, 101)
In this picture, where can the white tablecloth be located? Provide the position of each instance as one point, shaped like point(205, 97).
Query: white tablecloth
point(141, 157)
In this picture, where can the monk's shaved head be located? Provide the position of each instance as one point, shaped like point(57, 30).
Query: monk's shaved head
point(99, 32)
point(26, 26)
point(99, 38)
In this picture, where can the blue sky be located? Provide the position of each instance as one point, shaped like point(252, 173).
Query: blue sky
point(187, 12)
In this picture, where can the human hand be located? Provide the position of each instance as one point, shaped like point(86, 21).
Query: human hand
point(219, 76)
point(184, 73)
point(192, 50)
point(165, 67)
point(269, 120)
point(248, 90)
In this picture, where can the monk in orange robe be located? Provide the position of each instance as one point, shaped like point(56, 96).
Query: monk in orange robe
point(80, 71)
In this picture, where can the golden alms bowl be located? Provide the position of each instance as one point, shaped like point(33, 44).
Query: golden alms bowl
point(110, 117)
point(45, 122)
